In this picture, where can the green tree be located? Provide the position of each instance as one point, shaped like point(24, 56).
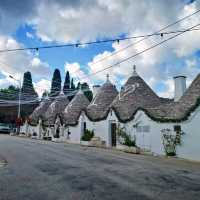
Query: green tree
point(78, 86)
point(72, 85)
point(87, 92)
point(66, 87)
point(10, 93)
point(27, 86)
point(56, 83)
point(72, 89)
point(45, 94)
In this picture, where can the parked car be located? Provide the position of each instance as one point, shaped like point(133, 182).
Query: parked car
point(5, 128)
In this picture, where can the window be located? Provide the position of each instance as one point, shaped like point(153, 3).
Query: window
point(141, 129)
point(177, 128)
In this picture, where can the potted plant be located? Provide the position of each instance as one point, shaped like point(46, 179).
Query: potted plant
point(86, 137)
point(169, 142)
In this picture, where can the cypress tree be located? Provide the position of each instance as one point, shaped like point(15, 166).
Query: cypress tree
point(78, 86)
point(27, 86)
point(56, 83)
point(28, 93)
point(72, 85)
point(66, 87)
point(72, 89)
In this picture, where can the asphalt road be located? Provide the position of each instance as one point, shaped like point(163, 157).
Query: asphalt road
point(40, 170)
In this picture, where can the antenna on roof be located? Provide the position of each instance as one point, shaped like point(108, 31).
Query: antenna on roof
point(134, 71)
point(61, 92)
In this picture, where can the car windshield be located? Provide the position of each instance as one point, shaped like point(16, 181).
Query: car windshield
point(2, 125)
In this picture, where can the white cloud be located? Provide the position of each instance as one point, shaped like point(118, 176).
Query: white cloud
point(16, 63)
point(29, 35)
point(89, 20)
point(41, 86)
point(169, 92)
point(76, 72)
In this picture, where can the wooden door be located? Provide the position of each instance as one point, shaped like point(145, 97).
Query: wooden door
point(113, 133)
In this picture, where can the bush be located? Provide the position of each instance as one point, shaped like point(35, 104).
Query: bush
point(126, 138)
point(88, 135)
point(128, 141)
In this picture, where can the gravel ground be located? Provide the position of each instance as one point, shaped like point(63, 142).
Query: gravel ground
point(41, 170)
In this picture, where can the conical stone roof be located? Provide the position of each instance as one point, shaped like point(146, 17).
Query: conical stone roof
point(74, 108)
point(135, 94)
point(99, 107)
point(180, 110)
point(39, 111)
point(55, 109)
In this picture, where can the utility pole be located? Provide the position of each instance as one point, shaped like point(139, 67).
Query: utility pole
point(19, 101)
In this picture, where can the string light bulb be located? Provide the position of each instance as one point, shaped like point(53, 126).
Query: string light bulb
point(36, 52)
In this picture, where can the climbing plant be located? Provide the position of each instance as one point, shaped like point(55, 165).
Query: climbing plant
point(124, 138)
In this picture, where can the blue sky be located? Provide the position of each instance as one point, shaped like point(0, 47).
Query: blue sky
point(56, 57)
point(60, 22)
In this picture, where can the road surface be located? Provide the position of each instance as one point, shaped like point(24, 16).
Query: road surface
point(41, 170)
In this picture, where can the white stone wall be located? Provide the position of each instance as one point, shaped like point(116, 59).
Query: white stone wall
point(190, 147)
point(29, 130)
point(75, 135)
point(102, 128)
point(152, 140)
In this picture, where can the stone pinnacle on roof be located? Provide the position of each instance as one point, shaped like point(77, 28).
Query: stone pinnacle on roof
point(61, 92)
point(107, 78)
point(134, 71)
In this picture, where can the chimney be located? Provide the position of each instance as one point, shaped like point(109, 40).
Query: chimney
point(179, 87)
point(95, 89)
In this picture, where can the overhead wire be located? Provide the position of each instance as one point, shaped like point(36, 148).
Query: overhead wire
point(158, 32)
point(139, 53)
point(89, 43)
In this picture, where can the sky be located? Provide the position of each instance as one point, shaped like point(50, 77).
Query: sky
point(28, 23)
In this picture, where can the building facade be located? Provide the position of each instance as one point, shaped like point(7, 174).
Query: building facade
point(137, 109)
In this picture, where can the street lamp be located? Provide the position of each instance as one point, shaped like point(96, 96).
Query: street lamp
point(19, 98)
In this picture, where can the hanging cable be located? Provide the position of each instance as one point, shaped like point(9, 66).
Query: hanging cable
point(139, 53)
point(143, 39)
point(90, 43)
